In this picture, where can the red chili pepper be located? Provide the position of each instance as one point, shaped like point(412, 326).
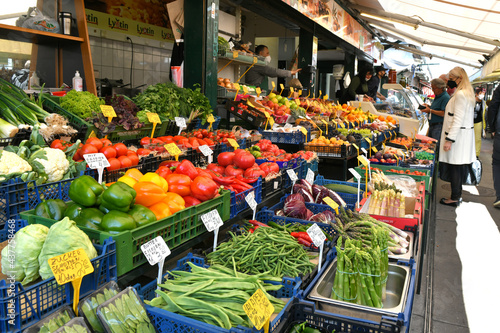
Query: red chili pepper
point(247, 180)
point(257, 223)
point(220, 179)
point(239, 182)
point(238, 188)
point(301, 234)
point(251, 230)
point(304, 242)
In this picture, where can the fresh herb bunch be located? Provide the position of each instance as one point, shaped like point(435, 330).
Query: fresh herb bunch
point(126, 115)
point(171, 101)
point(81, 103)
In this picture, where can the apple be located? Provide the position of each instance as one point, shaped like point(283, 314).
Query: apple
point(383, 161)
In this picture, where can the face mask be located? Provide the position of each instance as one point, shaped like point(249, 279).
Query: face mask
point(268, 59)
point(452, 84)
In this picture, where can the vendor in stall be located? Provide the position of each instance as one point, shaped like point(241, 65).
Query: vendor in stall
point(258, 75)
point(436, 109)
point(375, 84)
point(358, 86)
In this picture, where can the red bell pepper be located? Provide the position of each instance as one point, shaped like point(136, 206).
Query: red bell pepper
point(301, 234)
point(191, 201)
point(203, 188)
point(187, 168)
point(164, 171)
point(204, 173)
point(170, 164)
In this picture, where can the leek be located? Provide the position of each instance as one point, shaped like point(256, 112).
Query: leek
point(7, 130)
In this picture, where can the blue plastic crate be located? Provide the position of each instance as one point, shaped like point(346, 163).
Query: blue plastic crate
point(350, 199)
point(300, 170)
point(166, 321)
point(313, 165)
point(29, 304)
point(238, 202)
point(17, 196)
point(293, 138)
point(10, 228)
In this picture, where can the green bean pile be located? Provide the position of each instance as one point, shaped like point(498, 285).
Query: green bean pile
point(215, 295)
point(266, 250)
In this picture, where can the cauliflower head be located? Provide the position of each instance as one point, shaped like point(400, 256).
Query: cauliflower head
point(50, 162)
point(11, 163)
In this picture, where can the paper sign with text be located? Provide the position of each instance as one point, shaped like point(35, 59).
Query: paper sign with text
point(70, 266)
point(155, 250)
point(316, 234)
point(355, 173)
point(210, 118)
point(329, 201)
point(180, 122)
point(259, 309)
point(292, 175)
point(153, 118)
point(108, 111)
point(205, 150)
point(250, 199)
point(212, 220)
point(96, 161)
point(310, 176)
point(363, 160)
point(172, 149)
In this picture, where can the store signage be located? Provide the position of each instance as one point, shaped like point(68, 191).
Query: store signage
point(316, 234)
point(259, 309)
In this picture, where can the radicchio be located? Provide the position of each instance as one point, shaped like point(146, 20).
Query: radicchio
point(305, 183)
point(308, 215)
point(330, 216)
point(294, 206)
point(320, 217)
point(336, 198)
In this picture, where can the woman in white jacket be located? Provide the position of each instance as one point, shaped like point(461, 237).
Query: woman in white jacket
point(457, 148)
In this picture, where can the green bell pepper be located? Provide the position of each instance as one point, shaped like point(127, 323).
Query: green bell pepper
point(85, 190)
point(116, 221)
point(92, 215)
point(142, 215)
point(73, 210)
point(118, 196)
point(51, 209)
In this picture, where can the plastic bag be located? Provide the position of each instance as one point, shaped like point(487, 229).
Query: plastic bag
point(36, 20)
point(406, 184)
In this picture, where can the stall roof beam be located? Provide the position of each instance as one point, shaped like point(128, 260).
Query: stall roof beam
point(403, 19)
point(389, 28)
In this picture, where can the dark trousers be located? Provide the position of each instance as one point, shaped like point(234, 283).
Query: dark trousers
point(496, 164)
point(458, 173)
point(435, 130)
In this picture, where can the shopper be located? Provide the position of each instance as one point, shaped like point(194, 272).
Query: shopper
point(450, 90)
point(375, 83)
point(479, 109)
point(258, 75)
point(436, 109)
point(494, 124)
point(457, 149)
point(358, 86)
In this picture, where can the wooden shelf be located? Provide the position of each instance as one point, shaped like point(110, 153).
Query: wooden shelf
point(34, 36)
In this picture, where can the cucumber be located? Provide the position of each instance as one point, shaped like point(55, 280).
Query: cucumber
point(342, 188)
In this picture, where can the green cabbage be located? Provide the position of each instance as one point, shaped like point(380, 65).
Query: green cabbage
point(64, 236)
point(20, 257)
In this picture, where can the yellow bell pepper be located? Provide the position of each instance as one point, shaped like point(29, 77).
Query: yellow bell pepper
point(134, 174)
point(152, 177)
point(127, 180)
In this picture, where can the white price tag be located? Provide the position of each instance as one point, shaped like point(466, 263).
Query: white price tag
point(250, 199)
point(96, 161)
point(292, 175)
point(205, 150)
point(155, 250)
point(276, 184)
point(212, 220)
point(317, 236)
point(180, 122)
point(307, 117)
point(355, 173)
point(287, 125)
point(364, 151)
point(310, 176)
point(231, 45)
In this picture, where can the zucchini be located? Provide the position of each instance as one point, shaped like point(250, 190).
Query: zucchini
point(341, 188)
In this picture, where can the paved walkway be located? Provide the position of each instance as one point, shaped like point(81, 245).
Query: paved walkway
point(460, 289)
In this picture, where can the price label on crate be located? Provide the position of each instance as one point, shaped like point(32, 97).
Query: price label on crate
point(71, 267)
point(250, 199)
point(92, 135)
point(329, 201)
point(300, 92)
point(303, 130)
point(259, 309)
point(233, 143)
point(245, 90)
point(271, 121)
point(207, 152)
point(96, 161)
point(235, 54)
point(180, 122)
point(310, 176)
point(273, 84)
point(173, 150)
point(363, 160)
point(108, 111)
point(368, 140)
point(355, 173)
point(342, 124)
point(375, 149)
point(155, 250)
point(258, 91)
point(364, 151)
point(153, 117)
point(287, 125)
point(316, 234)
point(210, 119)
point(292, 175)
point(282, 87)
point(212, 220)
point(356, 146)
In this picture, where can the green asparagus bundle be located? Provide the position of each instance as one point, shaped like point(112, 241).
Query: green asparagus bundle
point(89, 306)
point(56, 322)
point(125, 313)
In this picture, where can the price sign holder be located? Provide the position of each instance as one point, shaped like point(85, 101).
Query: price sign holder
point(258, 91)
point(375, 149)
point(271, 121)
point(304, 131)
point(92, 135)
point(291, 92)
point(206, 151)
point(326, 125)
point(259, 309)
point(364, 152)
point(173, 150)
point(415, 133)
point(237, 86)
point(109, 112)
point(318, 238)
point(97, 161)
point(329, 201)
point(300, 92)
point(245, 90)
point(71, 267)
point(320, 93)
point(250, 199)
point(233, 143)
point(282, 87)
point(310, 176)
point(155, 251)
point(210, 120)
point(358, 178)
point(366, 164)
point(325, 97)
point(273, 84)
point(267, 119)
point(154, 119)
point(370, 143)
point(293, 176)
point(342, 124)
point(235, 54)
point(212, 222)
point(181, 123)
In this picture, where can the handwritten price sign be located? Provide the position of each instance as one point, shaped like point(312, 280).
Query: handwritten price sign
point(70, 266)
point(108, 111)
point(155, 250)
point(259, 309)
point(212, 220)
point(96, 161)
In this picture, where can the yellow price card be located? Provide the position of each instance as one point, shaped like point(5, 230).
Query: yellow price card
point(273, 84)
point(237, 86)
point(383, 144)
point(259, 309)
point(368, 140)
point(233, 143)
point(173, 150)
point(211, 118)
point(153, 117)
point(329, 201)
point(258, 91)
point(303, 130)
point(324, 122)
point(375, 149)
point(92, 135)
point(267, 114)
point(245, 90)
point(320, 93)
point(108, 111)
point(342, 124)
point(363, 160)
point(271, 121)
point(235, 54)
point(282, 87)
point(71, 267)
point(254, 60)
point(300, 92)
point(356, 146)
point(297, 101)
point(325, 97)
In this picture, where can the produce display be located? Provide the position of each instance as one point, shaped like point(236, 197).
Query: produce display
point(90, 304)
point(81, 103)
point(75, 325)
point(125, 313)
point(266, 250)
point(57, 321)
point(126, 116)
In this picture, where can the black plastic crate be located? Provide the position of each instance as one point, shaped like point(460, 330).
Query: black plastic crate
point(341, 151)
point(22, 134)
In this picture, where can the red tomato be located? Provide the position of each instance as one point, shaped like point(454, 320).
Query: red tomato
point(88, 149)
point(77, 156)
point(57, 144)
point(232, 170)
point(145, 141)
point(133, 158)
point(269, 167)
point(225, 158)
point(106, 142)
point(254, 173)
point(217, 168)
point(168, 139)
point(125, 162)
point(157, 141)
point(143, 152)
point(114, 164)
point(244, 160)
point(109, 152)
point(239, 151)
point(121, 149)
point(95, 142)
